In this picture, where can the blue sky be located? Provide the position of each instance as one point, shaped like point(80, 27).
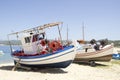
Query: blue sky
point(101, 17)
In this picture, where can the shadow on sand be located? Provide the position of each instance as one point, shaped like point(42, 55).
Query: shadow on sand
point(88, 64)
point(41, 70)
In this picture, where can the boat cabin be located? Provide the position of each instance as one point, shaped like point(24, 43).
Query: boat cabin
point(31, 43)
point(35, 41)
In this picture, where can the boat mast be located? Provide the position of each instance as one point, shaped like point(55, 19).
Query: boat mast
point(83, 31)
point(67, 32)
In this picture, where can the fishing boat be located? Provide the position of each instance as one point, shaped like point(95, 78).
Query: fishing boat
point(90, 55)
point(37, 51)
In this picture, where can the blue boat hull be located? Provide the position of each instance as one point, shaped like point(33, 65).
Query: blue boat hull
point(55, 65)
point(116, 56)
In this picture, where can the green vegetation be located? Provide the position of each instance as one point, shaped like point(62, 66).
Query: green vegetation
point(116, 42)
point(13, 42)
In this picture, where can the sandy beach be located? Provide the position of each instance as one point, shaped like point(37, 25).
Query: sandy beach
point(102, 71)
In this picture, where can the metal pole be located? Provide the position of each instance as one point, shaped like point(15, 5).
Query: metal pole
point(9, 44)
point(59, 33)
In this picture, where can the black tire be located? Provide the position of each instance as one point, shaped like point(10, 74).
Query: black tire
point(92, 63)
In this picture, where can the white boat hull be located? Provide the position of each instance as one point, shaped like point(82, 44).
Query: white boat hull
point(101, 55)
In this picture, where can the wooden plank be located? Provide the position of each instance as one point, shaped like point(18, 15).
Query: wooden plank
point(16, 65)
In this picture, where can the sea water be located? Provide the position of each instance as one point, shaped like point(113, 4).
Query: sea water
point(6, 57)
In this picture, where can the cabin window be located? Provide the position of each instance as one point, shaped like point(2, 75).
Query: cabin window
point(35, 38)
point(41, 36)
point(27, 39)
point(38, 37)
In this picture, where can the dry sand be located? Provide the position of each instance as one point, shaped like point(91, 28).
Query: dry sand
point(103, 71)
